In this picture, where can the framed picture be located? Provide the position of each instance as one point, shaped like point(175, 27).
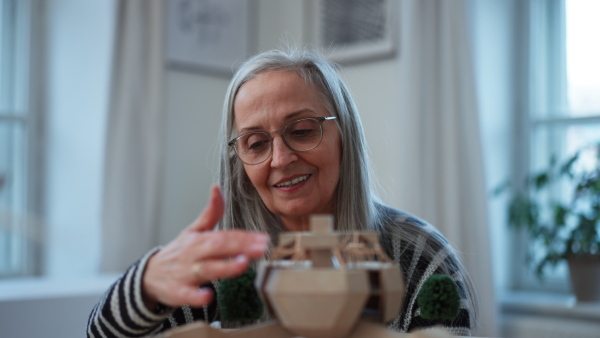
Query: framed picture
point(208, 35)
point(354, 30)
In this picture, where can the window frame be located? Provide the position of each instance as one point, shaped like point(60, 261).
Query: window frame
point(541, 85)
point(26, 60)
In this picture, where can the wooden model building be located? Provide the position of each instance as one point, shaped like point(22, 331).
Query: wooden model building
point(323, 284)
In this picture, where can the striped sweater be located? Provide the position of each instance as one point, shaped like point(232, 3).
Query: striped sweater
point(121, 311)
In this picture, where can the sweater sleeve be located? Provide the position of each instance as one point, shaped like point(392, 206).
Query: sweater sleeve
point(121, 312)
point(442, 263)
point(427, 253)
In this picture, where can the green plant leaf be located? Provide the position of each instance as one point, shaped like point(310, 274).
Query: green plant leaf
point(560, 215)
point(541, 180)
point(566, 168)
point(522, 212)
point(501, 188)
point(557, 228)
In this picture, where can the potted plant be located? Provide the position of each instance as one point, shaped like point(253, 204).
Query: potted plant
point(439, 299)
point(238, 300)
point(563, 225)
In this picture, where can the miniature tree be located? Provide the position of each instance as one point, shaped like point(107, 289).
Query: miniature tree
point(439, 299)
point(238, 299)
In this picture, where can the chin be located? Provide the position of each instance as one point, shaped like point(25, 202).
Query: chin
point(295, 212)
point(302, 212)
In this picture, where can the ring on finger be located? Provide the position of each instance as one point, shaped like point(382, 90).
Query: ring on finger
point(197, 269)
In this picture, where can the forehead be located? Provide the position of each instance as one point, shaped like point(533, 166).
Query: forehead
point(275, 96)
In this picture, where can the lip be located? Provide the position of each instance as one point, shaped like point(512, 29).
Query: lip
point(289, 178)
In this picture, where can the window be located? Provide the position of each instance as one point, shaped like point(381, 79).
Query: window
point(17, 227)
point(564, 93)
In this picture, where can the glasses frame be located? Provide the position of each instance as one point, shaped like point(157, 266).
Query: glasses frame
point(320, 120)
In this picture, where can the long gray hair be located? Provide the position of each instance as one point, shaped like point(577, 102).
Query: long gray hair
point(356, 205)
point(354, 200)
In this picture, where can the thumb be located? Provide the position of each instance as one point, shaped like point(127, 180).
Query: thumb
point(213, 212)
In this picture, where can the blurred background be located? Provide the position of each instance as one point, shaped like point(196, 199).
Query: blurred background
point(110, 110)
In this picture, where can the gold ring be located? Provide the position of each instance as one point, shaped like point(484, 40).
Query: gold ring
point(197, 269)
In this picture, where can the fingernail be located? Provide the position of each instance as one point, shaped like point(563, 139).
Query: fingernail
point(262, 238)
point(258, 247)
point(241, 258)
point(205, 291)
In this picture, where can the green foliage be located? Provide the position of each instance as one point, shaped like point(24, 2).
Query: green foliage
point(238, 300)
point(566, 225)
point(438, 298)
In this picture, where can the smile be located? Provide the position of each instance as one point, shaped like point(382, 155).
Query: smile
point(292, 182)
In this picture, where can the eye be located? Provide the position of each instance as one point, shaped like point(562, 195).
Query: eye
point(255, 142)
point(303, 129)
point(257, 145)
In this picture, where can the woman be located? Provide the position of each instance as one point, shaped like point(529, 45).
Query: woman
point(292, 145)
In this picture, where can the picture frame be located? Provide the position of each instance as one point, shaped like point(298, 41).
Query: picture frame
point(209, 36)
point(353, 31)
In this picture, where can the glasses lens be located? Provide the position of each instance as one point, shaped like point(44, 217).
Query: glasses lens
point(303, 134)
point(253, 147)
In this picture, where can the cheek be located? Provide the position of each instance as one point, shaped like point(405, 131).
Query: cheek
point(255, 175)
point(332, 169)
point(336, 159)
point(335, 176)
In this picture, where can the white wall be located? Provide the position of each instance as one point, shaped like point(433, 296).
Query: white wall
point(193, 117)
point(375, 86)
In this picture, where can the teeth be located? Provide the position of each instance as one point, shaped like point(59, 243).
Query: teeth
point(292, 182)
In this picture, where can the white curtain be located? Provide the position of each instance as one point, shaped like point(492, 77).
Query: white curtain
point(133, 155)
point(446, 148)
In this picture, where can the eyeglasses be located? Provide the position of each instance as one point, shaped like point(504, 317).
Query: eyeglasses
point(299, 135)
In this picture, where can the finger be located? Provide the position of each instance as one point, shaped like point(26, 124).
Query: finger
point(212, 213)
point(208, 270)
point(223, 244)
point(194, 296)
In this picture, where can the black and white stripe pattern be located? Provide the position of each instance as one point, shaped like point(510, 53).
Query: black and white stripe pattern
point(419, 249)
point(122, 312)
point(427, 253)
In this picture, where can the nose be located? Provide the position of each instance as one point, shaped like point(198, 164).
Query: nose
point(282, 155)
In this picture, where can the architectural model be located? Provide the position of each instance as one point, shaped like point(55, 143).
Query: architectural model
point(321, 284)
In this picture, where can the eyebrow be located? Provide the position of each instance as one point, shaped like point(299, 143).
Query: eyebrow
point(285, 119)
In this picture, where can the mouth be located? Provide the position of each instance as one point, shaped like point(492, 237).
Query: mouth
point(293, 182)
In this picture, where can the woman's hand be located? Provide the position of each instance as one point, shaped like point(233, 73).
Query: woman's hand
point(199, 255)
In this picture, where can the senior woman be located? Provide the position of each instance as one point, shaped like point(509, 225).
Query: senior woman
point(292, 145)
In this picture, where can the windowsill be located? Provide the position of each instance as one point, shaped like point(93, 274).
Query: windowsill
point(548, 305)
point(46, 287)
